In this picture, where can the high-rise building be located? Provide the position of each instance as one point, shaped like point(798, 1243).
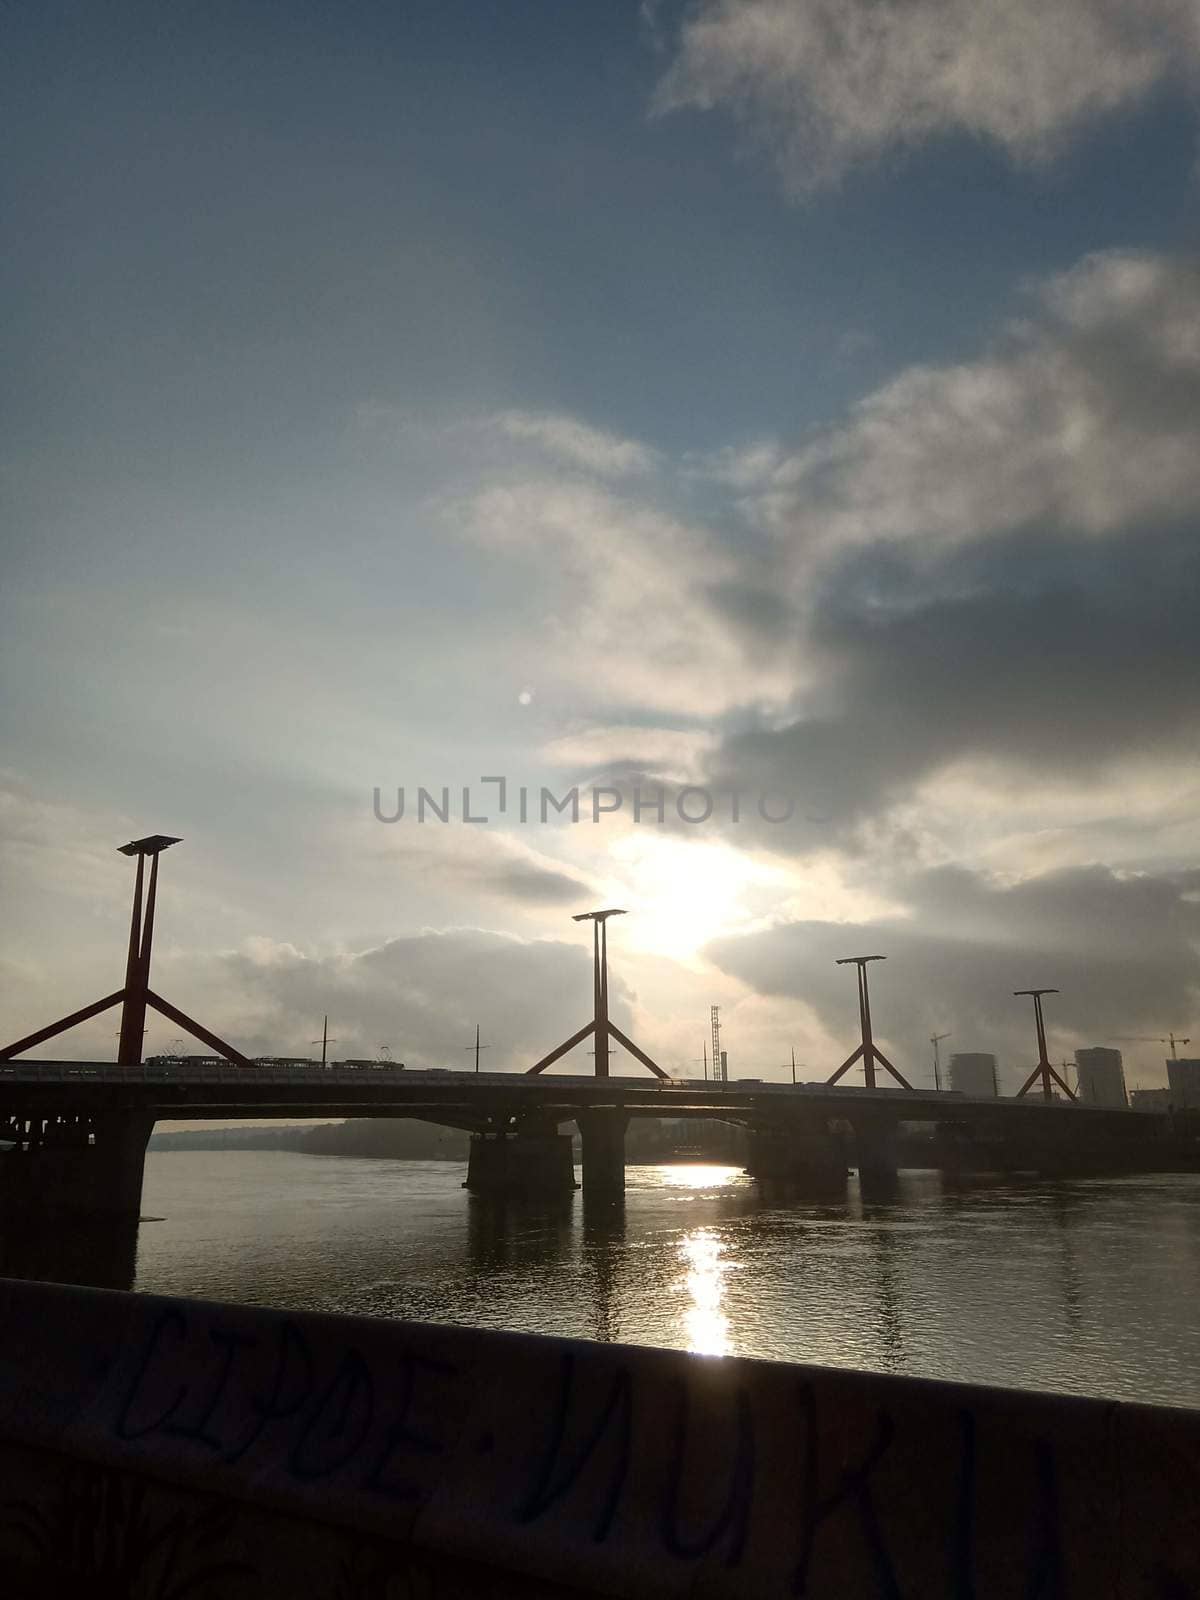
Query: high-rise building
point(1101, 1075)
point(973, 1072)
point(1183, 1078)
point(1150, 1100)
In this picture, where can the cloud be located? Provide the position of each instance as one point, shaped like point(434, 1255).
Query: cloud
point(621, 749)
point(495, 864)
point(995, 562)
point(421, 995)
point(1121, 948)
point(826, 85)
point(576, 443)
point(1061, 670)
point(1084, 419)
point(984, 575)
point(985, 567)
point(632, 595)
point(506, 437)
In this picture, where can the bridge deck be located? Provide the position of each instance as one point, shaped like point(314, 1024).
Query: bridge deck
point(208, 1091)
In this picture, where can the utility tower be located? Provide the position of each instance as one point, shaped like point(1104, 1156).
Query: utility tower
point(718, 1063)
point(1043, 1070)
point(935, 1040)
point(600, 1026)
point(136, 994)
point(868, 1050)
point(324, 1041)
point(477, 1047)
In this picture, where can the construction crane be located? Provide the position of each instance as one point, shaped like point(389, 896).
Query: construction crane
point(1146, 1038)
point(718, 1064)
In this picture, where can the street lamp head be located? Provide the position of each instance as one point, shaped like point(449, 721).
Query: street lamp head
point(598, 916)
point(151, 846)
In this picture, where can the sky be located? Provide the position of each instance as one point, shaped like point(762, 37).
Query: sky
point(795, 400)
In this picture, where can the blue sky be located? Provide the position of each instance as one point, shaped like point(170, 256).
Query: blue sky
point(763, 391)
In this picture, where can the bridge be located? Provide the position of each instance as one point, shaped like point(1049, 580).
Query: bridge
point(75, 1132)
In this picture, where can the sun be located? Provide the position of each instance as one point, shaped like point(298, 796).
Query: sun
point(685, 894)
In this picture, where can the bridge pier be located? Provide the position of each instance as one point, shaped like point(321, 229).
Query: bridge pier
point(524, 1163)
point(809, 1160)
point(602, 1132)
point(63, 1164)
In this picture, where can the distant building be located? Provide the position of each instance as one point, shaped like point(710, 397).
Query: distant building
point(973, 1072)
point(1150, 1099)
point(1101, 1075)
point(1184, 1080)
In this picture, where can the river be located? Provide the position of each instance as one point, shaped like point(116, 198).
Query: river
point(1086, 1286)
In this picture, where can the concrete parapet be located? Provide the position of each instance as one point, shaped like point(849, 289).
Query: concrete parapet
point(520, 1164)
point(173, 1446)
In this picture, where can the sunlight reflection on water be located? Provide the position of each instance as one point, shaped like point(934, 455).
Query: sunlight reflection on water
point(1058, 1286)
point(695, 1176)
point(706, 1323)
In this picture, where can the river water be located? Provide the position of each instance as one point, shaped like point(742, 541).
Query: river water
point(1087, 1286)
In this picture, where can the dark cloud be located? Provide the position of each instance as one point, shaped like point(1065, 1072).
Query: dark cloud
point(760, 613)
point(1123, 949)
point(1044, 655)
point(493, 869)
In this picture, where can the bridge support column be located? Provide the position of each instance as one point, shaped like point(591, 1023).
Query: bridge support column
point(91, 1165)
point(809, 1160)
point(520, 1164)
point(875, 1146)
point(602, 1132)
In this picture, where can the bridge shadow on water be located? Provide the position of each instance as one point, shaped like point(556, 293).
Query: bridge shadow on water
point(536, 1235)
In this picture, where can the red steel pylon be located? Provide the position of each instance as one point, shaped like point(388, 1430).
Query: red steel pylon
point(600, 1026)
point(868, 1050)
point(137, 993)
point(1043, 1070)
